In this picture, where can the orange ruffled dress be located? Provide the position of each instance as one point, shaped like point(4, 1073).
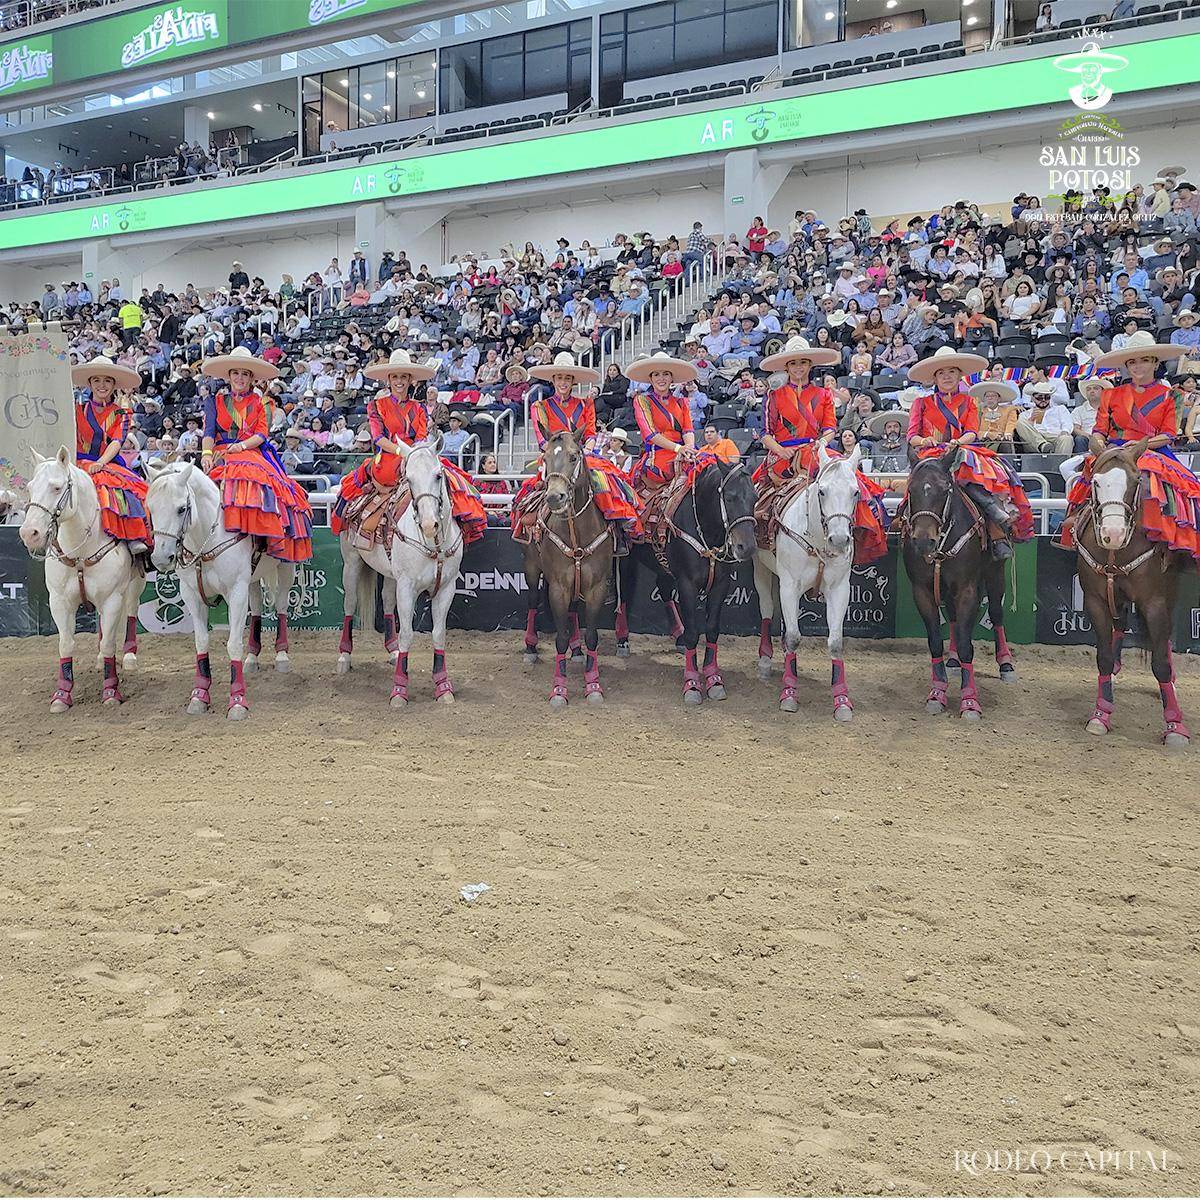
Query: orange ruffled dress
point(122, 493)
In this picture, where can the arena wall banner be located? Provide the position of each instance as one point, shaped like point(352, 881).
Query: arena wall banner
point(36, 401)
point(969, 91)
point(20, 581)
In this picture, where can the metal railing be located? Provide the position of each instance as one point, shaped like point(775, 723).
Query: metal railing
point(1077, 28)
point(22, 13)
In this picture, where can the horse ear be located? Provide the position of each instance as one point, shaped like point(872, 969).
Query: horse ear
point(914, 455)
point(855, 457)
point(38, 457)
point(1135, 450)
point(1096, 444)
point(64, 456)
point(186, 473)
point(155, 467)
point(822, 453)
point(947, 460)
point(438, 443)
point(404, 449)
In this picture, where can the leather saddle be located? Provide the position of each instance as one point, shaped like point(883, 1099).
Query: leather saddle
point(768, 511)
point(660, 506)
point(372, 517)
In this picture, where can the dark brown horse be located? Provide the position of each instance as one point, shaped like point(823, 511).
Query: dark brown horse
point(1119, 565)
point(948, 563)
point(574, 554)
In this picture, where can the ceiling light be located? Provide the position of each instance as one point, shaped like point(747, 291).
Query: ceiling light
point(211, 116)
point(892, 3)
point(258, 108)
point(391, 74)
point(366, 95)
point(829, 16)
point(421, 93)
point(972, 20)
point(387, 108)
point(345, 83)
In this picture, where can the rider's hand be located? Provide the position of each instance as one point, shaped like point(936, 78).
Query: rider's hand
point(93, 467)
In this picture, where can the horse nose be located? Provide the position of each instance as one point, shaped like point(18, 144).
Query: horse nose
point(1111, 535)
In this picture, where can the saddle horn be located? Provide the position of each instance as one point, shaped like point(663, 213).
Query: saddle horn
point(1134, 450)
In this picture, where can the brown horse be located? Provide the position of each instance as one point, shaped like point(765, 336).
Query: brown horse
point(574, 555)
point(1119, 565)
point(948, 564)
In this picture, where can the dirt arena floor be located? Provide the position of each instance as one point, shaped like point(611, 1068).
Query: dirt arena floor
point(724, 951)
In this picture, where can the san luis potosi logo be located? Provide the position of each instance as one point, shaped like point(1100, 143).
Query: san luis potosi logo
point(395, 178)
point(1091, 64)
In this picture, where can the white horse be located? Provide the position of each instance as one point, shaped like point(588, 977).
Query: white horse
point(814, 548)
point(190, 537)
point(427, 550)
point(62, 525)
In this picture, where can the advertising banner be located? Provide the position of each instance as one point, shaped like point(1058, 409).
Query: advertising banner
point(37, 406)
point(26, 64)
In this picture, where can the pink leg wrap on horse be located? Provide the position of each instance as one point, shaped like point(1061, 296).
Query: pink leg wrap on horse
point(676, 619)
point(691, 673)
point(622, 622)
point(1172, 713)
point(937, 680)
point(112, 689)
point(441, 677)
point(560, 677)
point(400, 678)
point(202, 688)
point(712, 675)
point(841, 693)
point(591, 674)
point(791, 681)
point(1104, 701)
point(390, 640)
point(968, 696)
point(254, 641)
point(531, 638)
point(766, 648)
point(281, 633)
point(237, 686)
point(346, 645)
point(1003, 653)
point(130, 646)
point(65, 682)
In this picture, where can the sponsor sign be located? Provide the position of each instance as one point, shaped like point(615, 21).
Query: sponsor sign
point(37, 407)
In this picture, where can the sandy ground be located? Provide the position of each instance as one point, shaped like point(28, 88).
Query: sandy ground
point(724, 950)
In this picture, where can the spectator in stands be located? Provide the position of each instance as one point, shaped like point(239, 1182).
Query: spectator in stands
point(716, 443)
point(1186, 334)
point(1045, 19)
point(238, 277)
point(998, 414)
point(1047, 428)
point(456, 436)
point(616, 450)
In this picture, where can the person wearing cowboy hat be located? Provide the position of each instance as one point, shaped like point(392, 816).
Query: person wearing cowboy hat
point(946, 418)
point(664, 417)
point(617, 450)
point(1144, 408)
point(888, 452)
point(1186, 335)
point(102, 423)
point(396, 419)
point(258, 496)
point(1091, 390)
point(561, 411)
point(998, 414)
point(798, 419)
point(1047, 427)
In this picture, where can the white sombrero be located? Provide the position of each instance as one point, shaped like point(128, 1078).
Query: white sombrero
point(681, 370)
point(222, 364)
point(126, 377)
point(1140, 345)
point(1102, 381)
point(796, 348)
point(968, 364)
point(401, 364)
point(1008, 392)
point(564, 364)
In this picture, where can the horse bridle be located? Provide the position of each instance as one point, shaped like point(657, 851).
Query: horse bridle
point(183, 557)
point(571, 481)
point(944, 523)
point(1129, 509)
point(55, 514)
point(1111, 569)
point(575, 552)
point(724, 552)
point(435, 553)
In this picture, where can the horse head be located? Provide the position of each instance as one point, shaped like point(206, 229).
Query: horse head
point(564, 468)
point(427, 482)
point(170, 509)
point(837, 494)
point(53, 498)
point(930, 493)
point(1115, 483)
point(725, 500)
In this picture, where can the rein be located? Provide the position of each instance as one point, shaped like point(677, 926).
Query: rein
point(54, 549)
point(574, 551)
point(1112, 569)
point(944, 522)
point(714, 554)
point(437, 553)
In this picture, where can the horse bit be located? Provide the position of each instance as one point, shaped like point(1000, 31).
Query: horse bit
point(574, 551)
point(435, 553)
point(715, 554)
point(1112, 568)
point(55, 551)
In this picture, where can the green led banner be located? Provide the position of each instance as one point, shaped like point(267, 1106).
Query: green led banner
point(1002, 87)
point(164, 32)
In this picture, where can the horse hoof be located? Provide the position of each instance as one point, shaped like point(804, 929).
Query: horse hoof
point(934, 707)
point(1097, 727)
point(971, 714)
point(398, 702)
point(691, 696)
point(1008, 673)
point(129, 662)
point(843, 712)
point(238, 713)
point(789, 705)
point(250, 663)
point(283, 664)
point(59, 706)
point(717, 693)
point(196, 707)
point(764, 667)
point(529, 657)
point(446, 698)
point(1176, 741)
point(622, 649)
point(595, 698)
point(558, 702)
point(343, 666)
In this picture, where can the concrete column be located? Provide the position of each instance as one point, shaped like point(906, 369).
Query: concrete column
point(415, 229)
point(749, 189)
point(132, 265)
point(195, 125)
